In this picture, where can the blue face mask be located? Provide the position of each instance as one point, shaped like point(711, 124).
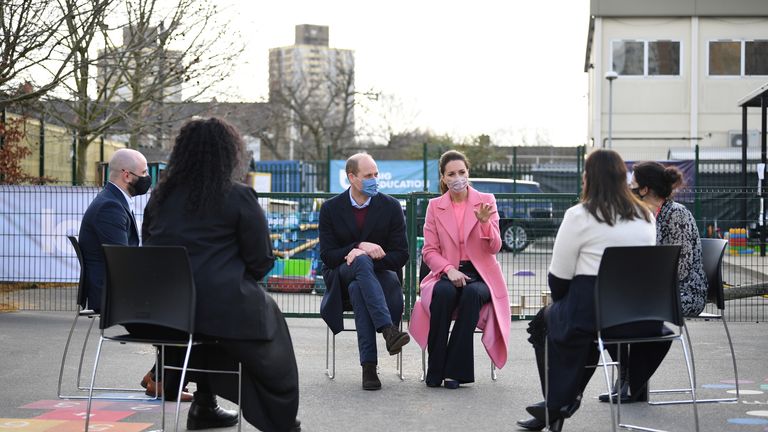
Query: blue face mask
point(370, 186)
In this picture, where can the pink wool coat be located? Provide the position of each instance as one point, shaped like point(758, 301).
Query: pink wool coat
point(441, 247)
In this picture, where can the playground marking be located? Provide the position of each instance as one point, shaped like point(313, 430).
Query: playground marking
point(79, 414)
point(748, 421)
point(28, 425)
point(77, 426)
point(746, 392)
point(758, 413)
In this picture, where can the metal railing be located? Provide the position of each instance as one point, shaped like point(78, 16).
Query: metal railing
point(34, 222)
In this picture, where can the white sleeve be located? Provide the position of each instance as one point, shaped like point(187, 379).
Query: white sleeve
point(565, 252)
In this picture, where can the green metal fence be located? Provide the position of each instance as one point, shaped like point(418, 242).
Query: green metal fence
point(295, 281)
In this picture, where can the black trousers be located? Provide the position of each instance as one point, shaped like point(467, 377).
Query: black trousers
point(270, 389)
point(568, 376)
point(454, 358)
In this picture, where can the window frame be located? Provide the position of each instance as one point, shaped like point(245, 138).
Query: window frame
point(742, 58)
point(645, 58)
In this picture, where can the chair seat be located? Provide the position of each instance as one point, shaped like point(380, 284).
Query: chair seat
point(133, 339)
point(707, 315)
point(670, 337)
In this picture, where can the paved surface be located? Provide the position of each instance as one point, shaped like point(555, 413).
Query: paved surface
point(31, 344)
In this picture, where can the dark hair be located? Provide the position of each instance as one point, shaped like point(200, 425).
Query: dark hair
point(206, 158)
point(658, 178)
point(450, 156)
point(606, 194)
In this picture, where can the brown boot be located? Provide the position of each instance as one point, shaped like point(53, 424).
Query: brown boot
point(395, 339)
point(370, 377)
point(155, 388)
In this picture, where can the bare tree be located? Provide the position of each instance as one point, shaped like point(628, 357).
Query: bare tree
point(313, 115)
point(389, 118)
point(34, 57)
point(123, 87)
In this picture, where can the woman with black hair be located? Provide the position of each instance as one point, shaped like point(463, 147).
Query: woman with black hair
point(200, 204)
point(655, 184)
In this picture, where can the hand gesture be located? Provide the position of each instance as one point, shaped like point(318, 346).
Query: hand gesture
point(456, 277)
point(372, 250)
point(483, 214)
point(354, 253)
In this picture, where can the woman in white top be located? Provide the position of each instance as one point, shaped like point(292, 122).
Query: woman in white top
point(608, 215)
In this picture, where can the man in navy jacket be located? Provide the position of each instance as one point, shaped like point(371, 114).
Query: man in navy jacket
point(364, 248)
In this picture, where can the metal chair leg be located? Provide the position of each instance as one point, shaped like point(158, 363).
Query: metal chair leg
point(733, 354)
point(693, 367)
point(93, 381)
point(330, 371)
point(64, 356)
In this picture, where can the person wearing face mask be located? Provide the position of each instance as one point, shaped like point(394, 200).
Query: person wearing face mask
point(110, 219)
point(655, 184)
point(363, 248)
point(465, 281)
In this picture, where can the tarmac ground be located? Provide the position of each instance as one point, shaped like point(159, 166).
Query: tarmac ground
point(32, 343)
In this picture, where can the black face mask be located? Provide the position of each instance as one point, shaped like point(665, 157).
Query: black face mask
point(140, 186)
point(636, 191)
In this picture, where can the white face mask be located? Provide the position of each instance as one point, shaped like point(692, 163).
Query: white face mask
point(458, 185)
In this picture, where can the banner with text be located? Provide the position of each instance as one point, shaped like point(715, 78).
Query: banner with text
point(395, 176)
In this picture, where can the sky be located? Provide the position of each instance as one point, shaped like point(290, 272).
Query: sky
point(510, 69)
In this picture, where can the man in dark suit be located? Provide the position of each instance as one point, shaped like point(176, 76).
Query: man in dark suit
point(109, 219)
point(364, 248)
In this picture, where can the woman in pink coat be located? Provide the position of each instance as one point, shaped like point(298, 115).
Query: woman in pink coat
point(461, 239)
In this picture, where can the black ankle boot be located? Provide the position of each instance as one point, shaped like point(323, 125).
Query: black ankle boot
point(205, 413)
point(532, 424)
point(395, 339)
point(370, 377)
point(539, 412)
point(623, 384)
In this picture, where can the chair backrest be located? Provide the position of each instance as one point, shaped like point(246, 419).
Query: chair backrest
point(148, 285)
point(638, 283)
point(712, 251)
point(82, 296)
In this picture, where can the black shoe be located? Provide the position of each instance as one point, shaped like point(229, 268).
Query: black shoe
point(641, 395)
point(556, 416)
point(205, 413)
point(624, 393)
point(532, 424)
point(451, 384)
point(395, 339)
point(370, 377)
point(296, 426)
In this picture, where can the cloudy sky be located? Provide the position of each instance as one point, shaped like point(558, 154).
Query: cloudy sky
point(507, 68)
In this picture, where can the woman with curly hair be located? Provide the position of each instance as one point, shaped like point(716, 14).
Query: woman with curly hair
point(201, 205)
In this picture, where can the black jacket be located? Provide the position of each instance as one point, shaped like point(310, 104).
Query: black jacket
point(230, 251)
point(384, 225)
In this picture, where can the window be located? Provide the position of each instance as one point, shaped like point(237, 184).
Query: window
point(756, 57)
point(738, 58)
point(646, 58)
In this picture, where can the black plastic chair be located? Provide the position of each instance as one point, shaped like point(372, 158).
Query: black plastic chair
point(712, 252)
point(82, 311)
point(626, 293)
point(151, 285)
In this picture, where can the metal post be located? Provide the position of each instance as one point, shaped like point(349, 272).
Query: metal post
point(328, 177)
point(424, 169)
point(514, 168)
point(74, 157)
point(41, 171)
point(744, 143)
point(696, 198)
point(610, 76)
point(764, 123)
